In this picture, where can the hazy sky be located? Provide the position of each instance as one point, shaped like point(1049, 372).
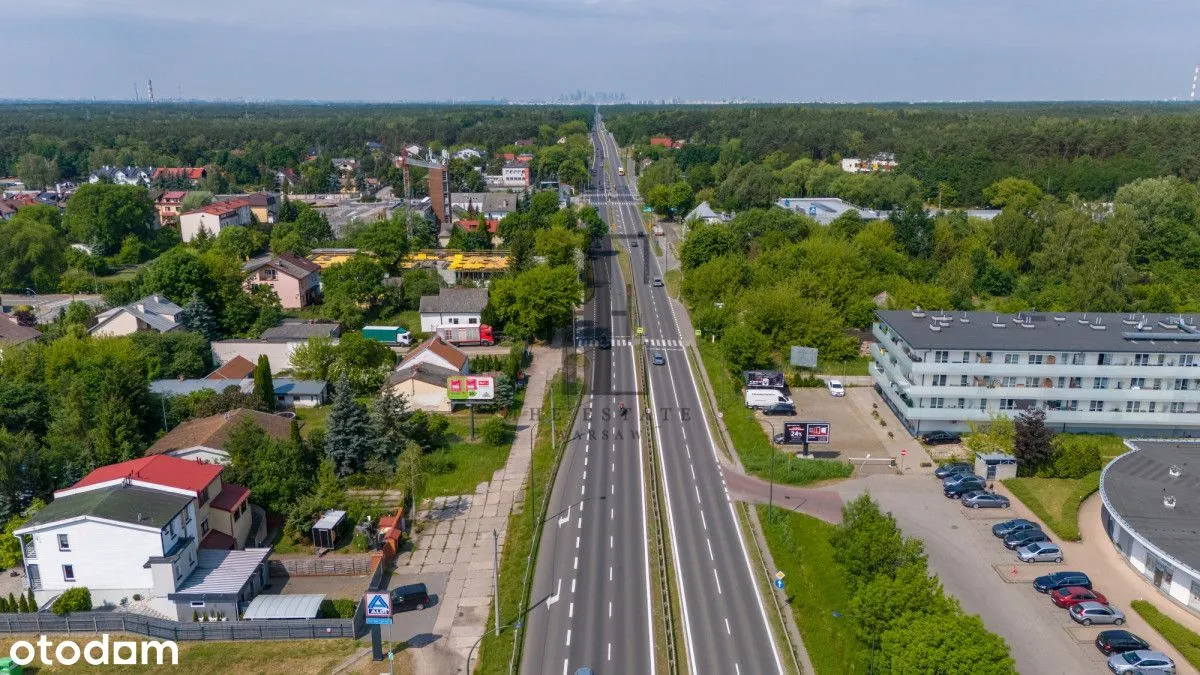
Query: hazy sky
point(831, 50)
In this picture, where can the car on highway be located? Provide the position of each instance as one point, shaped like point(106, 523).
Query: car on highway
point(1119, 641)
point(605, 342)
point(1016, 540)
point(1056, 580)
point(1142, 662)
point(1015, 525)
point(412, 596)
point(1040, 551)
point(952, 468)
point(1073, 595)
point(658, 359)
point(657, 283)
point(982, 499)
point(1088, 613)
point(940, 437)
point(633, 244)
point(961, 487)
point(779, 409)
point(836, 388)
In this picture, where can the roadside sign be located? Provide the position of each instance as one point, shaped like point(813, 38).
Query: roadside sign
point(378, 608)
point(804, 357)
point(647, 209)
point(470, 388)
point(903, 453)
point(641, 330)
point(779, 584)
point(698, 332)
point(797, 433)
point(780, 575)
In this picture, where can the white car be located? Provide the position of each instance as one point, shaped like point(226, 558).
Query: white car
point(836, 388)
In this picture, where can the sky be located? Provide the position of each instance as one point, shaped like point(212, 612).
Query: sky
point(791, 50)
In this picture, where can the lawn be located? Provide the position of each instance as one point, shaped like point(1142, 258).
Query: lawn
point(816, 591)
point(1180, 637)
point(1056, 500)
point(844, 368)
point(753, 446)
point(671, 279)
point(471, 462)
point(312, 419)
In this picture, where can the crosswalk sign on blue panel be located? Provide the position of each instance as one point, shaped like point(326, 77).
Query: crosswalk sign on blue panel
point(378, 608)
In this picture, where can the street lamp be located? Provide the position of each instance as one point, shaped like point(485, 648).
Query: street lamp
point(771, 489)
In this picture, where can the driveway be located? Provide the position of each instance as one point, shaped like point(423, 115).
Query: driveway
point(416, 627)
point(976, 568)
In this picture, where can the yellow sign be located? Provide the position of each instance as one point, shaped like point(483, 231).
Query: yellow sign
point(641, 330)
point(780, 575)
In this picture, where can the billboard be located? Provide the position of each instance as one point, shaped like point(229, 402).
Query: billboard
point(804, 357)
point(378, 608)
point(795, 433)
point(470, 388)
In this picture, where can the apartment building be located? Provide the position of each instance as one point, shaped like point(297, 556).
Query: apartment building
point(1130, 374)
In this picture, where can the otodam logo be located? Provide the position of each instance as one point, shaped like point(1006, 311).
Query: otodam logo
point(102, 652)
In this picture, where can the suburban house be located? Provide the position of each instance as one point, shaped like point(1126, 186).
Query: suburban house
point(287, 177)
point(467, 153)
point(204, 439)
point(211, 218)
point(705, 213)
point(437, 352)
point(168, 204)
point(193, 174)
point(237, 368)
point(884, 161)
point(423, 384)
point(490, 205)
point(295, 280)
point(453, 307)
point(516, 174)
point(289, 392)
point(13, 333)
point(277, 343)
point(264, 206)
point(661, 141)
point(127, 175)
point(523, 142)
point(153, 312)
point(160, 527)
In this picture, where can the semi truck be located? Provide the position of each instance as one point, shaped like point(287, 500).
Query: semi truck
point(467, 335)
point(388, 335)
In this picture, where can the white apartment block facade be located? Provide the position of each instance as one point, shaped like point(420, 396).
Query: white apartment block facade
point(1133, 375)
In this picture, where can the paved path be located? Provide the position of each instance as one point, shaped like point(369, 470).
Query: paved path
point(458, 540)
point(823, 504)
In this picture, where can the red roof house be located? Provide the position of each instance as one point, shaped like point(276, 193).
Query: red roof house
point(156, 470)
point(661, 141)
point(192, 173)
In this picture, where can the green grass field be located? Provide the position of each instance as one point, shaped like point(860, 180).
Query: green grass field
point(1180, 637)
point(1055, 500)
point(473, 461)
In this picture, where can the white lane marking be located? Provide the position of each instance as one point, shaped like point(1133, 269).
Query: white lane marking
point(576, 567)
point(610, 651)
point(554, 598)
point(703, 521)
point(738, 671)
point(727, 631)
point(612, 513)
point(693, 468)
point(610, 609)
point(564, 667)
point(718, 580)
point(610, 541)
point(571, 612)
point(585, 474)
point(568, 637)
point(576, 542)
point(579, 523)
point(610, 572)
point(697, 489)
point(585, 459)
point(572, 586)
point(710, 553)
point(614, 489)
point(582, 489)
point(614, 467)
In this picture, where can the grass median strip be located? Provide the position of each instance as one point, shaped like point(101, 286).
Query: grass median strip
point(1055, 501)
point(1180, 637)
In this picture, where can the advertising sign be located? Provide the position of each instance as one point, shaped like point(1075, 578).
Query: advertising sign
point(804, 357)
point(470, 388)
point(796, 433)
point(378, 608)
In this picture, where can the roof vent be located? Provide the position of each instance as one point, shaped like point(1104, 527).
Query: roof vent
point(1083, 320)
point(1169, 501)
point(964, 318)
point(997, 323)
point(918, 313)
point(1130, 320)
point(1098, 325)
point(1060, 319)
point(935, 328)
point(1027, 324)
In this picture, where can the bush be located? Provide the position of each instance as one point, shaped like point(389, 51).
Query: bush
point(78, 599)
point(495, 432)
point(1074, 457)
point(338, 608)
point(804, 381)
point(439, 463)
point(1180, 637)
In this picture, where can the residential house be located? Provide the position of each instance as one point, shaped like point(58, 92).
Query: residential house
point(661, 141)
point(525, 157)
point(413, 150)
point(127, 175)
point(295, 280)
point(159, 527)
point(705, 213)
point(277, 343)
point(7, 209)
point(374, 146)
point(491, 205)
point(453, 307)
point(300, 329)
point(237, 368)
point(151, 313)
point(214, 217)
point(345, 164)
point(168, 204)
point(423, 384)
point(467, 153)
point(523, 143)
point(825, 210)
point(882, 162)
point(204, 439)
point(507, 156)
point(437, 352)
point(287, 177)
point(192, 174)
point(13, 333)
point(264, 206)
point(289, 393)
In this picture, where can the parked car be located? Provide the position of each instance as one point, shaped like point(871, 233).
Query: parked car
point(633, 244)
point(778, 439)
point(954, 478)
point(1016, 540)
point(964, 486)
point(1088, 613)
point(1119, 642)
point(1055, 580)
point(836, 388)
point(1015, 525)
point(1040, 551)
point(940, 437)
point(952, 468)
point(1073, 595)
point(982, 499)
point(1142, 662)
point(413, 596)
point(659, 359)
point(779, 409)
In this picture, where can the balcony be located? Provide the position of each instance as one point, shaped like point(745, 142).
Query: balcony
point(30, 550)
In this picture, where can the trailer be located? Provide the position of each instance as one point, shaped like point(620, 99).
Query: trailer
point(389, 335)
point(467, 335)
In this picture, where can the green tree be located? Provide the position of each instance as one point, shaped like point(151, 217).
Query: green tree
point(103, 215)
point(195, 199)
point(197, 317)
point(411, 470)
point(264, 387)
point(10, 546)
point(387, 239)
point(180, 274)
point(888, 601)
point(537, 301)
point(956, 643)
point(868, 543)
point(1033, 441)
point(314, 359)
point(495, 432)
point(240, 242)
point(77, 599)
point(348, 440)
point(745, 348)
point(558, 245)
point(37, 172)
point(31, 254)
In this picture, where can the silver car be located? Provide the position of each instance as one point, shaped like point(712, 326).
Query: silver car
point(1040, 551)
point(1141, 661)
point(982, 499)
point(1090, 612)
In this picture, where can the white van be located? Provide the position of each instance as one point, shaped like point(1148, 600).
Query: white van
point(761, 398)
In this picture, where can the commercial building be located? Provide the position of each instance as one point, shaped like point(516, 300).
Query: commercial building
point(1134, 375)
point(825, 210)
point(1150, 506)
point(515, 174)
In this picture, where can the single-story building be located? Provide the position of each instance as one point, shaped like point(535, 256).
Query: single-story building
point(204, 439)
point(300, 606)
point(151, 313)
point(423, 384)
point(437, 352)
point(289, 393)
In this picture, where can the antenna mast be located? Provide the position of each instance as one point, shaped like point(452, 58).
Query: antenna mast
point(1195, 77)
point(150, 90)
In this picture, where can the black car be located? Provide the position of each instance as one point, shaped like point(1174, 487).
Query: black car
point(779, 409)
point(1119, 642)
point(1015, 525)
point(940, 438)
point(1057, 580)
point(1016, 540)
point(964, 486)
point(413, 596)
point(952, 468)
point(605, 343)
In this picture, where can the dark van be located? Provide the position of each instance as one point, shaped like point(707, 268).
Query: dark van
point(413, 596)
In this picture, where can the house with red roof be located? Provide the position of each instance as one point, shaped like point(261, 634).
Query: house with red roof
point(168, 205)
point(192, 174)
point(212, 218)
point(661, 141)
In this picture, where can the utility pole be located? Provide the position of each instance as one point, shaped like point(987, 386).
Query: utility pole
point(496, 577)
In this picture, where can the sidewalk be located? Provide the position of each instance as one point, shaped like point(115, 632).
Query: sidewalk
point(462, 546)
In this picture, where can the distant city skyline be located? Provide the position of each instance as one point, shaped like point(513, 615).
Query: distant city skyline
point(542, 50)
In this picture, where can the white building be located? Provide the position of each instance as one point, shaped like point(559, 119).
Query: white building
point(1150, 507)
point(1133, 375)
point(884, 161)
point(277, 343)
point(153, 312)
point(705, 213)
point(438, 353)
point(214, 217)
point(467, 153)
point(453, 307)
point(825, 210)
point(515, 174)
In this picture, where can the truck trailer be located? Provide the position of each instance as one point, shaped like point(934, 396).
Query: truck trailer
point(388, 335)
point(467, 335)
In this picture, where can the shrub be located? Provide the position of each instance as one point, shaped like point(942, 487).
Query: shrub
point(804, 381)
point(338, 608)
point(22, 605)
point(495, 432)
point(195, 616)
point(1074, 457)
point(439, 463)
point(78, 599)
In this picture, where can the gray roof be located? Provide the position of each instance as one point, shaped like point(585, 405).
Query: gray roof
point(154, 310)
point(222, 572)
point(1136, 483)
point(487, 202)
point(455, 301)
point(301, 330)
point(289, 264)
point(422, 372)
point(329, 520)
point(284, 386)
point(704, 212)
point(1050, 332)
point(127, 504)
point(284, 607)
point(824, 209)
point(13, 333)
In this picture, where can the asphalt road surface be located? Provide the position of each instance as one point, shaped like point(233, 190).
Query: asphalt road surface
point(592, 574)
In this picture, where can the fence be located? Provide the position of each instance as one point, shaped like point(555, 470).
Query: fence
point(121, 622)
point(336, 565)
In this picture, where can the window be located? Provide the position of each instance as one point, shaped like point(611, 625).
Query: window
point(1187, 359)
point(1157, 384)
point(1095, 406)
point(1100, 383)
point(1077, 359)
point(1177, 407)
point(966, 357)
point(197, 603)
point(1008, 404)
point(1035, 359)
point(1008, 382)
point(268, 274)
point(1012, 358)
point(68, 572)
point(1133, 406)
point(1152, 406)
point(1104, 359)
point(203, 497)
point(1075, 382)
point(472, 320)
point(941, 356)
point(937, 403)
point(1137, 383)
point(962, 403)
point(939, 380)
point(1181, 385)
point(963, 381)
point(1141, 359)
point(1032, 382)
point(204, 526)
point(63, 543)
point(452, 320)
point(1072, 405)
point(1062, 382)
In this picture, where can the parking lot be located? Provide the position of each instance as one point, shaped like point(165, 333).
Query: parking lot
point(976, 568)
point(850, 433)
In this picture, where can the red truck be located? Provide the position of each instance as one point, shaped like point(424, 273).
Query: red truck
point(467, 335)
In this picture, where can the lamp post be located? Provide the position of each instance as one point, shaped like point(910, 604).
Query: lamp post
point(771, 488)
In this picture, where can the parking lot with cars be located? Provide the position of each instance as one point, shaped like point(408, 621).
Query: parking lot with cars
point(850, 432)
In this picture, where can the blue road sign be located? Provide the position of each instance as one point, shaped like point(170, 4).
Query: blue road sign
point(378, 608)
point(779, 584)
